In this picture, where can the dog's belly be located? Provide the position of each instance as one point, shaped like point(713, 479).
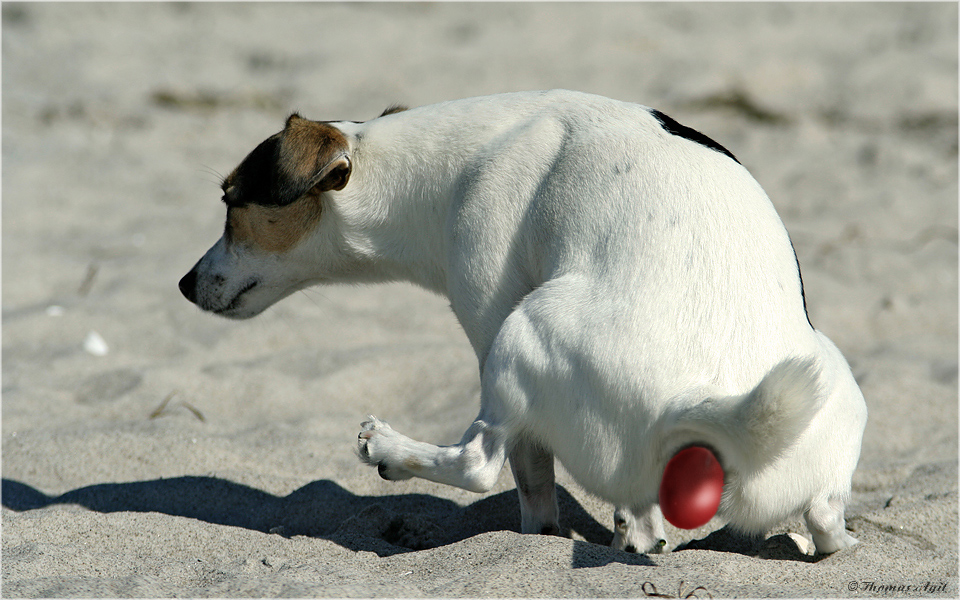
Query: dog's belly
point(610, 463)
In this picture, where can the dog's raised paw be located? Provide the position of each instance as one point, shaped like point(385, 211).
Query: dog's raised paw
point(368, 429)
point(377, 443)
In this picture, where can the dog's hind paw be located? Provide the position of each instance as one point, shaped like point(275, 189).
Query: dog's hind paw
point(376, 445)
point(639, 529)
point(831, 544)
point(825, 521)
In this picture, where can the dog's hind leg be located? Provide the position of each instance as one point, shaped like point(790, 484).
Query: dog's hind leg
point(532, 468)
point(639, 529)
point(825, 521)
point(473, 464)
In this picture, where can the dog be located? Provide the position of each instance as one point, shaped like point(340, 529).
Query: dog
point(627, 286)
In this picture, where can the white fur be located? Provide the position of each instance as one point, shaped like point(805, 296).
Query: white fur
point(627, 292)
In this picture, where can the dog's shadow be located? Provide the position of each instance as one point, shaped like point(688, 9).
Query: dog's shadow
point(386, 525)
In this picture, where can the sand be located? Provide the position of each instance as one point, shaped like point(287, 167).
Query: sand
point(150, 449)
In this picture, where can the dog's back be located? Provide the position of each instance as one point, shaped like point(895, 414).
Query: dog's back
point(681, 251)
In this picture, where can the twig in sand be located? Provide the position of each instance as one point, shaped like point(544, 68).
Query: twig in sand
point(87, 283)
point(160, 410)
point(653, 593)
point(196, 412)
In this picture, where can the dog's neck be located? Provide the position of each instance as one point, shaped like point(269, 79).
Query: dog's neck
point(395, 211)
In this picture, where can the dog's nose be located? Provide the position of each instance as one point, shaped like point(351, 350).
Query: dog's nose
point(188, 286)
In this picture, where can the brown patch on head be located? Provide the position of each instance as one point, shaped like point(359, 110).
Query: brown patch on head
point(273, 229)
point(313, 153)
point(273, 197)
point(307, 156)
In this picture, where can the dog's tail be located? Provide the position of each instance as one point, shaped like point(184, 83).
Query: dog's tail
point(751, 430)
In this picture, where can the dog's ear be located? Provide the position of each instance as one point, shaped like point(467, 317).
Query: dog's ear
point(310, 156)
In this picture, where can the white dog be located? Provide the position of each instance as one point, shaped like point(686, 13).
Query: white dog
point(626, 284)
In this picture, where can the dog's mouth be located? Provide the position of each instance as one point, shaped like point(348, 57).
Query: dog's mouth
point(234, 304)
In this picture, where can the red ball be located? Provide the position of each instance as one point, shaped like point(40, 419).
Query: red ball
point(691, 488)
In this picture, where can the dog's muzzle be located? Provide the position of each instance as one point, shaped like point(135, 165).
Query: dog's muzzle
point(231, 308)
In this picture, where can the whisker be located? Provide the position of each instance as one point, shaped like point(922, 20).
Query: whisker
point(211, 171)
point(314, 299)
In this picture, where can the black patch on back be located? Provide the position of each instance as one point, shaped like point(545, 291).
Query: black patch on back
point(803, 296)
point(693, 135)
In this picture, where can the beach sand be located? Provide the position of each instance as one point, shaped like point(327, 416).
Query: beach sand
point(150, 449)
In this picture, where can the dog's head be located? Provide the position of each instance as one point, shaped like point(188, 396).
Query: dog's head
point(275, 216)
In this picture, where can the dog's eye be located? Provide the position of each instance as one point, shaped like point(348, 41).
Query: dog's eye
point(229, 194)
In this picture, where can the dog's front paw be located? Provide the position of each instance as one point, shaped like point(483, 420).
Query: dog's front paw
point(376, 446)
point(368, 447)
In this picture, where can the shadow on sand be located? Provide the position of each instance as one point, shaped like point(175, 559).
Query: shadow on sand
point(386, 525)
